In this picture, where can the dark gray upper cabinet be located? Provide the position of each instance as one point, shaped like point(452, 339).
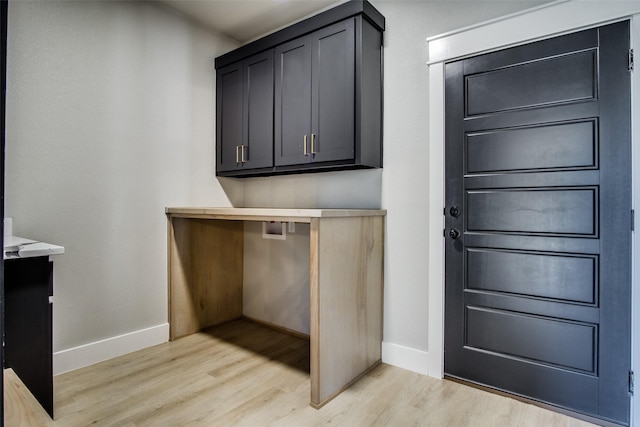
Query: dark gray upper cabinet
point(244, 117)
point(315, 88)
point(307, 98)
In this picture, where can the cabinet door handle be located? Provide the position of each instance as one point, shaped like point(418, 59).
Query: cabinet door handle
point(313, 144)
point(304, 140)
point(243, 158)
point(237, 154)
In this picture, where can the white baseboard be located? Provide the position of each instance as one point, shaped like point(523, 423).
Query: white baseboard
point(405, 357)
point(88, 354)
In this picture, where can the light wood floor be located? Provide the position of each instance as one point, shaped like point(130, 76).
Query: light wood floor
point(242, 374)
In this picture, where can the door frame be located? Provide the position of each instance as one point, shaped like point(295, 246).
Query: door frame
point(549, 20)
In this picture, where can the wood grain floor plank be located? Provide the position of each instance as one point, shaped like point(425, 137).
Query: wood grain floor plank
point(242, 374)
point(20, 407)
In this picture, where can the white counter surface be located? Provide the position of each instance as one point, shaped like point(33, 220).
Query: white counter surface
point(19, 247)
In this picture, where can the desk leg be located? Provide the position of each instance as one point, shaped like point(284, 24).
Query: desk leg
point(346, 261)
point(205, 273)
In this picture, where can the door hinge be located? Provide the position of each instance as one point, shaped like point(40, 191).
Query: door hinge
point(631, 383)
point(630, 59)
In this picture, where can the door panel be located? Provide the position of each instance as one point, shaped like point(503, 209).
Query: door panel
point(553, 146)
point(334, 92)
point(293, 102)
point(533, 211)
point(258, 111)
point(569, 344)
point(556, 276)
point(537, 298)
point(547, 81)
point(229, 118)
point(564, 387)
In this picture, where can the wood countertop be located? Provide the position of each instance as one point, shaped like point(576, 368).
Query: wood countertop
point(269, 214)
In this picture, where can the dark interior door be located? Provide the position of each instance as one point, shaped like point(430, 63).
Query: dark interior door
point(538, 218)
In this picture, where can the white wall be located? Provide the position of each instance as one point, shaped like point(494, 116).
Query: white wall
point(276, 277)
point(110, 110)
point(111, 118)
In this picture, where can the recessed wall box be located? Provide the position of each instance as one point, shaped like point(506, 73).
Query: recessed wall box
point(274, 230)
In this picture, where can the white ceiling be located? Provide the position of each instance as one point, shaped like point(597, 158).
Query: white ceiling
point(244, 20)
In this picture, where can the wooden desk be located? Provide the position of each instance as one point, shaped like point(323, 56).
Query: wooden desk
point(205, 249)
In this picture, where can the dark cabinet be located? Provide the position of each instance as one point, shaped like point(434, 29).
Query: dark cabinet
point(305, 99)
point(28, 285)
point(314, 102)
point(244, 115)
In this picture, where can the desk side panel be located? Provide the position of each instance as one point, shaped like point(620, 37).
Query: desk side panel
point(347, 301)
point(178, 250)
point(205, 273)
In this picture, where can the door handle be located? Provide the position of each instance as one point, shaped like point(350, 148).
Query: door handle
point(304, 140)
point(237, 154)
point(313, 144)
point(242, 155)
point(454, 233)
point(454, 211)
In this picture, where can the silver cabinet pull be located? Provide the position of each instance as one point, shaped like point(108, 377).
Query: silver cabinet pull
point(243, 158)
point(305, 145)
point(237, 154)
point(313, 144)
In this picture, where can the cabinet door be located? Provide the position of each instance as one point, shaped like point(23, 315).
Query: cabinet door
point(293, 102)
point(333, 92)
point(28, 344)
point(258, 112)
point(228, 116)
